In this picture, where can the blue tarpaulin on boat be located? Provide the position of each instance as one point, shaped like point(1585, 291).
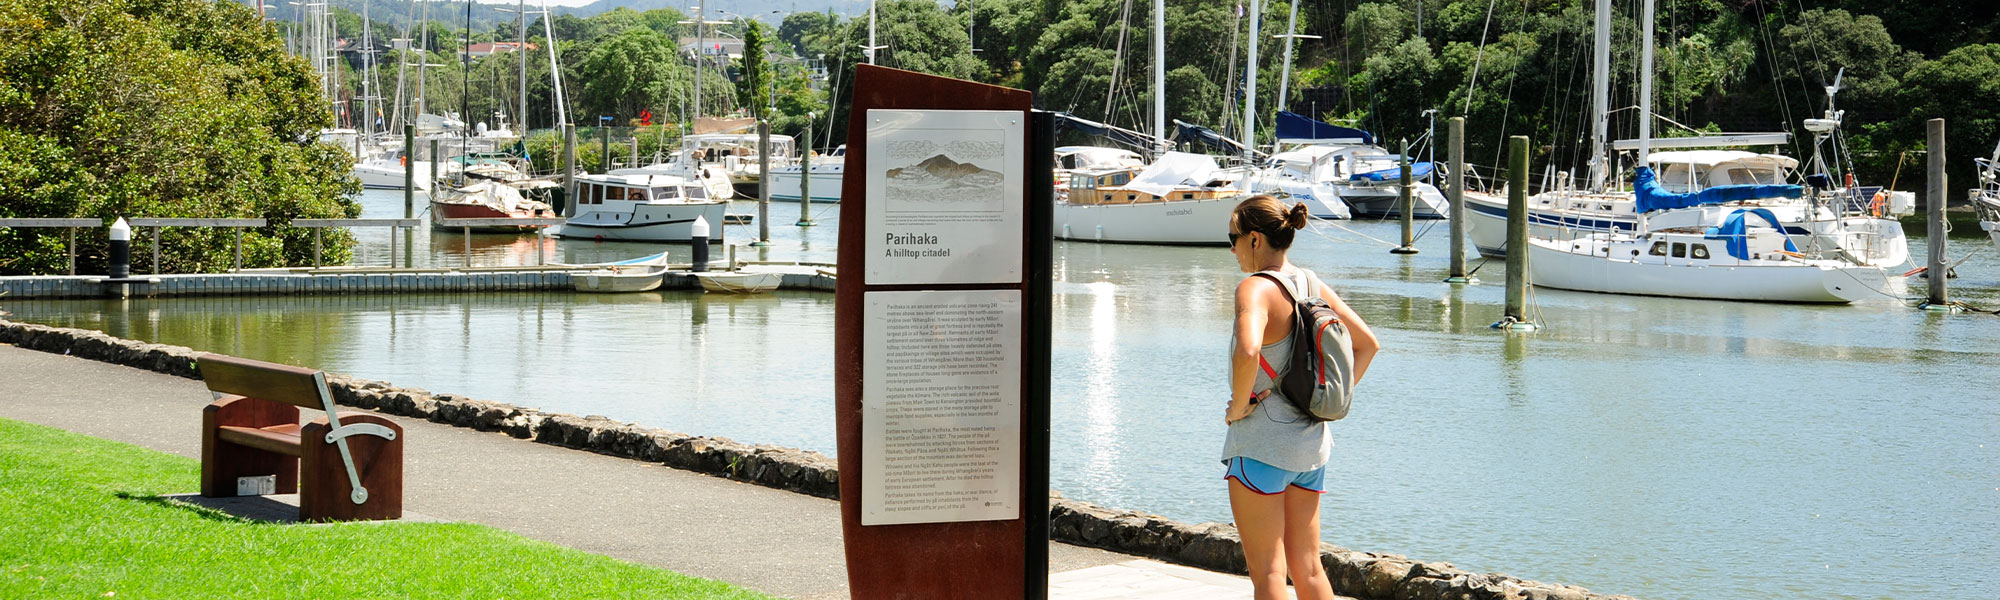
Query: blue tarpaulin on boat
point(1119, 135)
point(1203, 136)
point(1733, 227)
point(1648, 196)
point(1294, 126)
point(1418, 170)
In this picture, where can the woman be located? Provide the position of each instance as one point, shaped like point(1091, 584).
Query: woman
point(1276, 456)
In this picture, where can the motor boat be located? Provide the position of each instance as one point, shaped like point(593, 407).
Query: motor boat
point(650, 208)
point(827, 173)
point(1175, 200)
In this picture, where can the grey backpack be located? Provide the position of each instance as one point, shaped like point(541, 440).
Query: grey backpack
point(1318, 379)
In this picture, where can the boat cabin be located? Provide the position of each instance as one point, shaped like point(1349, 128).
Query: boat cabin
point(601, 189)
point(1112, 186)
point(1689, 171)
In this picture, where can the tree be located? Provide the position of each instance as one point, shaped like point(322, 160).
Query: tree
point(162, 108)
point(1961, 87)
point(753, 85)
point(634, 71)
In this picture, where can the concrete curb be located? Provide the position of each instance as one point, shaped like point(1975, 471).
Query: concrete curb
point(1212, 546)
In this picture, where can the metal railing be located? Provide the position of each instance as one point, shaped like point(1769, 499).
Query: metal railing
point(156, 224)
point(465, 229)
point(318, 225)
point(71, 224)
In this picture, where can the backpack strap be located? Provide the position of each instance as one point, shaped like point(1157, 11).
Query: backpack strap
point(1290, 296)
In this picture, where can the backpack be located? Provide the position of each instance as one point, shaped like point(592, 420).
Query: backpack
point(1319, 378)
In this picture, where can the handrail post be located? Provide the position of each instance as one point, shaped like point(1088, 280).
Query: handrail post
point(156, 250)
point(239, 248)
point(72, 251)
point(316, 265)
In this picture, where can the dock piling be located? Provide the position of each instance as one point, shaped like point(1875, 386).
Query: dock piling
point(121, 250)
point(1515, 317)
point(806, 176)
point(1457, 199)
point(569, 169)
point(763, 183)
point(1409, 207)
point(698, 237)
point(1935, 271)
point(409, 197)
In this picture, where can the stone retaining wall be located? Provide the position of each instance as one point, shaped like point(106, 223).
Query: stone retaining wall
point(1213, 546)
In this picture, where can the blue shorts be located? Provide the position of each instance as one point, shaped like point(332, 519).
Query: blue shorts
point(1267, 480)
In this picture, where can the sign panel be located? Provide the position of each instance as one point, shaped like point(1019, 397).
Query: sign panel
point(941, 407)
point(944, 190)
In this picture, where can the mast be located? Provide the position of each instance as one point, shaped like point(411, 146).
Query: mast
point(555, 72)
point(1646, 84)
point(367, 69)
point(1600, 97)
point(1250, 86)
point(1117, 61)
point(1292, 31)
point(871, 32)
point(1235, 28)
point(465, 86)
point(701, 45)
point(424, 43)
point(521, 27)
point(1159, 71)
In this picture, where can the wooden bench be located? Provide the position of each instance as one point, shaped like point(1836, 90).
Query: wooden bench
point(344, 467)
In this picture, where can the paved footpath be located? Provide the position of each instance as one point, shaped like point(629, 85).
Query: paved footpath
point(774, 541)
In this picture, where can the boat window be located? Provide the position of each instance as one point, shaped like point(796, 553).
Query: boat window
point(695, 192)
point(1107, 197)
point(614, 193)
point(666, 193)
point(1187, 195)
point(1701, 251)
point(1131, 197)
point(1677, 178)
point(586, 194)
point(1680, 250)
point(1659, 249)
point(637, 194)
point(1121, 178)
point(1745, 175)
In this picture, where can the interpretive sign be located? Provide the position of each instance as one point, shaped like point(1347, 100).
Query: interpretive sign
point(941, 407)
point(941, 339)
point(946, 186)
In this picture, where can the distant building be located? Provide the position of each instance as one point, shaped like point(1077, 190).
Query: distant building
point(485, 49)
point(713, 48)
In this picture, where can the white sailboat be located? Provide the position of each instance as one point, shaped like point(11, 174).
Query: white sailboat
point(1736, 261)
point(1987, 199)
point(826, 170)
point(1176, 200)
point(1835, 220)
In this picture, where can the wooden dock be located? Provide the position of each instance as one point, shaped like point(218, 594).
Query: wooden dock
point(346, 280)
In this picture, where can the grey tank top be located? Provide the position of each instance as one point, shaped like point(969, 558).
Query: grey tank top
point(1276, 433)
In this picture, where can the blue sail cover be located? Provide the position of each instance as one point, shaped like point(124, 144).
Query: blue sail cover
point(1733, 227)
point(1648, 196)
point(1190, 133)
point(1119, 135)
point(1294, 126)
point(1418, 170)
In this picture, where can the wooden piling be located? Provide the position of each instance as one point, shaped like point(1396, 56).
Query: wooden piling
point(1403, 196)
point(1516, 316)
point(1936, 272)
point(569, 169)
point(763, 183)
point(1456, 195)
point(806, 177)
point(409, 195)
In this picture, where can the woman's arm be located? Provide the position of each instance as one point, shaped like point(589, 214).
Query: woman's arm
point(1365, 342)
point(1251, 317)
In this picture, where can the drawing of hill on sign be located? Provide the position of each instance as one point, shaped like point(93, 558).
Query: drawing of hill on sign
point(939, 183)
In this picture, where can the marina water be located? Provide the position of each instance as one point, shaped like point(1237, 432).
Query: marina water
point(1663, 448)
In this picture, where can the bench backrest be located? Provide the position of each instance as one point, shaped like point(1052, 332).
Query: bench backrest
point(297, 386)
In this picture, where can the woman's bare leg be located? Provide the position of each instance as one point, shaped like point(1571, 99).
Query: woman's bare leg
point(1260, 521)
point(1302, 544)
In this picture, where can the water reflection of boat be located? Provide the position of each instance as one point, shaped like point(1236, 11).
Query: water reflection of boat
point(1739, 260)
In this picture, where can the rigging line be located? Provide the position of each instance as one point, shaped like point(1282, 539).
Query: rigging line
point(1777, 86)
point(1337, 224)
point(1472, 82)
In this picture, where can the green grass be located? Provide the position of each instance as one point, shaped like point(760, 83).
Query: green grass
point(81, 517)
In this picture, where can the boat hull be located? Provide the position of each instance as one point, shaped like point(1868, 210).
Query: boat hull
point(737, 282)
point(614, 281)
point(1182, 222)
point(383, 176)
point(1865, 241)
point(651, 222)
point(449, 210)
point(1992, 229)
point(1385, 201)
point(826, 183)
point(1557, 264)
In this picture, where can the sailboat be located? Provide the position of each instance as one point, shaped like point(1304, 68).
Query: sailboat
point(1759, 260)
point(1835, 219)
point(1987, 199)
point(1359, 177)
